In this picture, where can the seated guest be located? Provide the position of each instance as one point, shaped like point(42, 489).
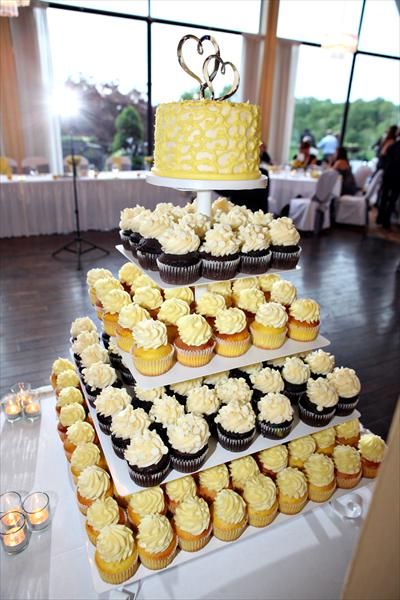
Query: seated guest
point(342, 166)
point(265, 159)
point(328, 146)
point(304, 157)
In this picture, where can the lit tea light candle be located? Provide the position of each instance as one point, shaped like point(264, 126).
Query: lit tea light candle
point(15, 538)
point(10, 507)
point(12, 407)
point(32, 409)
point(37, 509)
point(10, 519)
point(39, 517)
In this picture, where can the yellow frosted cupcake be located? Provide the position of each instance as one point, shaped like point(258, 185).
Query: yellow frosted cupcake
point(193, 524)
point(231, 334)
point(268, 329)
point(113, 302)
point(127, 275)
point(116, 554)
point(300, 450)
point(149, 298)
point(69, 414)
point(372, 450)
point(92, 276)
point(229, 515)
point(78, 433)
point(182, 293)
point(292, 486)
point(157, 542)
point(194, 345)
point(128, 317)
point(209, 305)
point(58, 366)
point(152, 354)
point(179, 490)
point(148, 502)
point(102, 287)
point(348, 433)
point(325, 441)
point(273, 460)
point(320, 473)
point(68, 395)
point(67, 379)
point(249, 300)
point(170, 312)
point(283, 292)
point(212, 481)
point(260, 496)
point(224, 289)
point(102, 513)
point(303, 324)
point(266, 282)
point(348, 466)
point(93, 483)
point(241, 470)
point(86, 455)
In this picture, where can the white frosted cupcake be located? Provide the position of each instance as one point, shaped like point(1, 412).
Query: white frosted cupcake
point(188, 439)
point(275, 416)
point(147, 459)
point(348, 387)
point(318, 406)
point(295, 374)
point(284, 243)
point(236, 426)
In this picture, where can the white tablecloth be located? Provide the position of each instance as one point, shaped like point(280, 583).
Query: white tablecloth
point(304, 558)
point(284, 187)
point(43, 205)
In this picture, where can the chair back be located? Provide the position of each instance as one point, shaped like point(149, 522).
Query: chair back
point(82, 163)
point(325, 186)
point(361, 175)
point(7, 165)
point(123, 163)
point(373, 188)
point(35, 163)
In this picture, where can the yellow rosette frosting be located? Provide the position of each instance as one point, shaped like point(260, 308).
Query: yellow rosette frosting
point(60, 365)
point(372, 447)
point(229, 507)
point(305, 309)
point(249, 299)
point(194, 330)
point(115, 543)
point(348, 429)
point(181, 489)
point(79, 433)
point(193, 515)
point(347, 459)
point(93, 482)
point(230, 321)
point(154, 533)
point(182, 293)
point(291, 482)
point(274, 459)
point(115, 300)
point(85, 455)
point(172, 310)
point(320, 469)
point(271, 314)
point(260, 492)
point(302, 448)
point(67, 379)
point(148, 297)
point(102, 287)
point(150, 334)
point(242, 469)
point(69, 395)
point(72, 413)
point(94, 275)
point(148, 502)
point(210, 304)
point(128, 273)
point(325, 438)
point(131, 315)
point(267, 281)
point(102, 513)
point(215, 479)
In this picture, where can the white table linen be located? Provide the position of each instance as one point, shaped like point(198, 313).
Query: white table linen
point(284, 187)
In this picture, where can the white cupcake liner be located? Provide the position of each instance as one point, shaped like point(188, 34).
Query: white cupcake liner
point(231, 348)
point(285, 260)
point(255, 265)
point(224, 269)
point(154, 367)
point(194, 358)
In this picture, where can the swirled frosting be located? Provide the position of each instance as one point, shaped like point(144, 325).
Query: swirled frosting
point(234, 218)
point(154, 225)
point(94, 354)
point(271, 314)
point(129, 214)
point(230, 321)
point(283, 292)
point(260, 492)
point(216, 378)
point(184, 387)
point(145, 449)
point(215, 479)
point(345, 381)
point(277, 363)
point(242, 469)
point(347, 459)
point(320, 362)
point(221, 240)
point(154, 533)
point(94, 275)
point(236, 417)
point(69, 395)
point(193, 515)
point(93, 483)
point(148, 297)
point(84, 340)
point(196, 221)
point(274, 459)
point(181, 489)
point(67, 379)
point(149, 395)
point(322, 393)
point(254, 238)
point(129, 422)
point(99, 376)
point(295, 371)
point(102, 287)
point(325, 438)
point(128, 273)
point(190, 434)
point(267, 380)
point(150, 334)
point(115, 543)
point(246, 283)
point(72, 413)
point(220, 287)
point(179, 239)
point(252, 369)
point(229, 507)
point(144, 280)
point(210, 304)
point(302, 448)
point(148, 502)
point(275, 408)
point(250, 299)
point(349, 429)
point(172, 310)
point(305, 309)
point(234, 388)
point(111, 400)
point(165, 208)
point(202, 401)
point(372, 447)
point(166, 410)
point(131, 315)
point(60, 365)
point(291, 482)
point(102, 513)
point(85, 455)
point(283, 232)
point(267, 281)
point(80, 432)
point(259, 217)
point(182, 293)
point(319, 469)
point(80, 325)
point(194, 330)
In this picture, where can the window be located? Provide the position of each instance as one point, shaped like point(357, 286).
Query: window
point(129, 7)
point(380, 28)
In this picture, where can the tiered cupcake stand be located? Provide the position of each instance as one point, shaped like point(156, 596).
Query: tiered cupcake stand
point(216, 454)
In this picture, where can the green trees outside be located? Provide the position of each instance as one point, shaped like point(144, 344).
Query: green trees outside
point(129, 133)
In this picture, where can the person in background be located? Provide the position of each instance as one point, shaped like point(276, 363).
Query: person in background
point(387, 141)
point(342, 166)
point(264, 156)
point(304, 158)
point(328, 145)
point(307, 136)
point(390, 190)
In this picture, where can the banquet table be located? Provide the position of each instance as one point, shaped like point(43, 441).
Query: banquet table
point(285, 186)
point(306, 557)
point(44, 204)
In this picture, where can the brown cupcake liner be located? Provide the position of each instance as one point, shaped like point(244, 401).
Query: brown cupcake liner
point(220, 270)
point(184, 275)
point(255, 265)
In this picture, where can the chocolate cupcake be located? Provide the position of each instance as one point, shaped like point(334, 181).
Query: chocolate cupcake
point(179, 263)
point(105, 338)
point(255, 255)
point(144, 398)
point(295, 375)
point(348, 387)
point(114, 355)
point(151, 227)
point(96, 378)
point(275, 418)
point(204, 401)
point(181, 389)
point(188, 440)
point(318, 406)
point(284, 244)
point(220, 253)
point(110, 401)
point(147, 458)
point(235, 388)
point(128, 223)
point(125, 424)
point(320, 362)
point(236, 426)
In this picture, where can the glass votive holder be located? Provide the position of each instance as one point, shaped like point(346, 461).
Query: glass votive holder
point(22, 392)
point(12, 407)
point(10, 506)
point(15, 538)
point(31, 406)
point(36, 506)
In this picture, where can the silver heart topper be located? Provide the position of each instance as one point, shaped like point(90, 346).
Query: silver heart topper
point(209, 78)
point(200, 50)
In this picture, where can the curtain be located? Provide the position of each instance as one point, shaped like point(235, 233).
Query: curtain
point(250, 70)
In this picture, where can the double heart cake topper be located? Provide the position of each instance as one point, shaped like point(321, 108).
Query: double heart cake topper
point(218, 64)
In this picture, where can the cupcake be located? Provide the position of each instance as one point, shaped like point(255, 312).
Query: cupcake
point(292, 487)
point(234, 389)
point(236, 426)
point(325, 441)
point(212, 481)
point(109, 402)
point(100, 514)
point(58, 366)
point(80, 325)
point(241, 470)
point(149, 298)
point(318, 406)
point(102, 287)
point(68, 395)
point(220, 253)
point(170, 312)
point(303, 324)
point(181, 389)
point(148, 502)
point(372, 450)
point(244, 283)
point(300, 450)
point(94, 354)
point(144, 398)
point(179, 263)
point(348, 466)
point(223, 288)
point(320, 473)
point(180, 490)
point(147, 458)
point(209, 305)
point(273, 460)
point(165, 412)
point(229, 516)
point(249, 300)
point(128, 220)
point(78, 433)
point(348, 387)
point(96, 378)
point(188, 439)
point(203, 401)
point(199, 223)
point(247, 371)
point(93, 484)
point(127, 275)
point(295, 375)
point(128, 317)
point(182, 293)
point(255, 255)
point(92, 276)
point(275, 418)
point(126, 424)
point(69, 414)
point(284, 243)
point(85, 455)
point(348, 433)
point(320, 362)
point(235, 218)
point(193, 524)
point(152, 354)
point(283, 292)
point(216, 379)
point(265, 283)
point(194, 344)
point(143, 280)
point(67, 379)
point(277, 363)
point(231, 334)
point(151, 227)
point(268, 330)
point(265, 381)
point(157, 542)
point(261, 499)
point(116, 554)
point(259, 217)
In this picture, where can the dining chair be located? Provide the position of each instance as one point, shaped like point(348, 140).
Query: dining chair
point(38, 164)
